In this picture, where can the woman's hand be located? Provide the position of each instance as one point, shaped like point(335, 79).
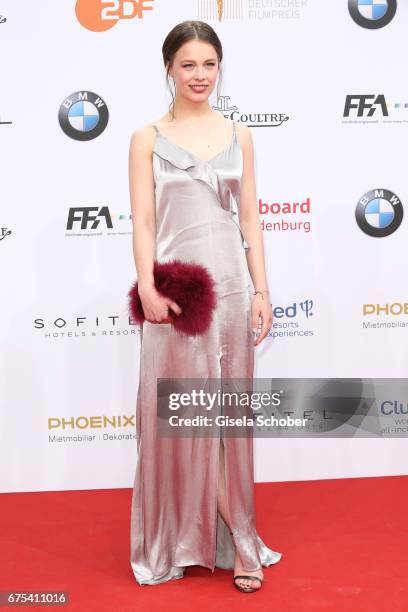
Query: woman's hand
point(156, 306)
point(263, 309)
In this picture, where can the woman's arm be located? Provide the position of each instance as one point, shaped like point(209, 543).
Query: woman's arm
point(248, 212)
point(142, 201)
point(249, 221)
point(141, 186)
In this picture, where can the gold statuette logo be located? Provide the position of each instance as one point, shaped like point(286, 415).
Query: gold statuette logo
point(220, 6)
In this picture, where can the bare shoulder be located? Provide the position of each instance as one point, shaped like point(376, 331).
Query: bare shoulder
point(244, 134)
point(142, 139)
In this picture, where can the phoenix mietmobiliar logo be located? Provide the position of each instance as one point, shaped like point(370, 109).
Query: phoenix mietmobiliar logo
point(101, 15)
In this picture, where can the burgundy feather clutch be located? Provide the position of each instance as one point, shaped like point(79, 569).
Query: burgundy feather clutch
point(188, 284)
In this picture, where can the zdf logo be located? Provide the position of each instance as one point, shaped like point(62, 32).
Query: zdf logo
point(101, 15)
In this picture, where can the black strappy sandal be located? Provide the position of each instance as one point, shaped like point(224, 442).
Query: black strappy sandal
point(245, 589)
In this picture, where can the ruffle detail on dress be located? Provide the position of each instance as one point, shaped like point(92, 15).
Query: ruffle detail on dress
point(235, 217)
point(202, 171)
point(178, 158)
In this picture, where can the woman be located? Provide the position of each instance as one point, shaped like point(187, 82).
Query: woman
point(193, 497)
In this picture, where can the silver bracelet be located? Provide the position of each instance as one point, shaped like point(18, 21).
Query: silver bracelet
point(261, 292)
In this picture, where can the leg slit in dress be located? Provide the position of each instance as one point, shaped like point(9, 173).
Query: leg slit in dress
point(224, 554)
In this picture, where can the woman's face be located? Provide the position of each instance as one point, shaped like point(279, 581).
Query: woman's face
point(195, 70)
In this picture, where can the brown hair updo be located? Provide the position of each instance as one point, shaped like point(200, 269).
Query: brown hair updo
point(182, 33)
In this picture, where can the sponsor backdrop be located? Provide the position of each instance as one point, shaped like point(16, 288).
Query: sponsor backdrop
point(321, 85)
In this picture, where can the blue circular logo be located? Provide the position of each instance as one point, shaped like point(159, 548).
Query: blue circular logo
point(379, 213)
point(83, 115)
point(372, 14)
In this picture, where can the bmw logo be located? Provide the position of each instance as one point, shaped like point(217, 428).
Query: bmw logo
point(83, 115)
point(372, 14)
point(379, 213)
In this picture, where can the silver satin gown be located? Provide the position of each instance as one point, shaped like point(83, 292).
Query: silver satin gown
point(174, 517)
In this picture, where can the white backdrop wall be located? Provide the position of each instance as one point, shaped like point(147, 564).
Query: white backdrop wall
point(68, 348)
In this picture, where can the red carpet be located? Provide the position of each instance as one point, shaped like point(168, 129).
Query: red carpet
point(344, 545)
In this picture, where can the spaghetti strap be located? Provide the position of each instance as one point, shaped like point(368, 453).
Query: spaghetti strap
point(155, 127)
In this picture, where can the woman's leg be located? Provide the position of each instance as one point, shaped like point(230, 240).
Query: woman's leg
point(222, 497)
point(224, 512)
